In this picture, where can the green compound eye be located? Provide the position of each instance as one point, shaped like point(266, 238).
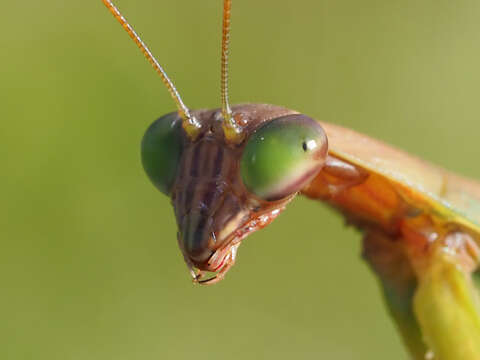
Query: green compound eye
point(283, 156)
point(161, 151)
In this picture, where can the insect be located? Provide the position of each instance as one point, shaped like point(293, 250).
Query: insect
point(230, 171)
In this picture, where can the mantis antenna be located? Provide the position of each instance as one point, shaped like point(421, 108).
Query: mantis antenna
point(190, 123)
point(230, 127)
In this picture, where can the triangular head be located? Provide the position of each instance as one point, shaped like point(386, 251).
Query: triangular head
point(221, 190)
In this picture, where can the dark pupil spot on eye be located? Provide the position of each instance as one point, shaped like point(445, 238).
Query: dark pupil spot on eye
point(304, 146)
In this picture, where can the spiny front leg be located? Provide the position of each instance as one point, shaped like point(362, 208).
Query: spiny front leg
point(426, 274)
point(447, 301)
point(388, 259)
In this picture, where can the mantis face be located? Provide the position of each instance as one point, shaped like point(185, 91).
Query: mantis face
point(222, 191)
point(229, 171)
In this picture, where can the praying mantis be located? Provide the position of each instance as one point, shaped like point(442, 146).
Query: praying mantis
point(231, 171)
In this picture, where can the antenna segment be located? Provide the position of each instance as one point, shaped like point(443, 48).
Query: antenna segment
point(190, 123)
point(230, 126)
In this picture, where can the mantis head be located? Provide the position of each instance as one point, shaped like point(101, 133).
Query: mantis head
point(223, 191)
point(228, 171)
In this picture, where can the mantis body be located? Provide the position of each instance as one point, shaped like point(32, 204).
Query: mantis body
point(231, 171)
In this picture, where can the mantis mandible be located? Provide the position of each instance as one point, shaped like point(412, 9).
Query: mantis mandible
point(230, 171)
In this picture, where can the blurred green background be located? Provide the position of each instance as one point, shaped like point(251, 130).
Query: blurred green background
point(89, 264)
